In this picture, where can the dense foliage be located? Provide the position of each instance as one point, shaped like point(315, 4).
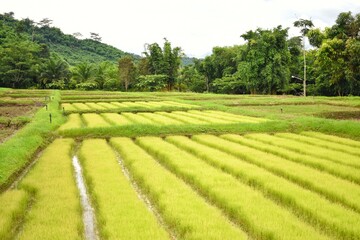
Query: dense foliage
point(38, 55)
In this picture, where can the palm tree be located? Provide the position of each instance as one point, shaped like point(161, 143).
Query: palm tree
point(83, 72)
point(54, 69)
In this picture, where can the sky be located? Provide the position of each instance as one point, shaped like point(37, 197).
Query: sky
point(194, 25)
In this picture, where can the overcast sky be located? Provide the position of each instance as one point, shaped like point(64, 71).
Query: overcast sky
point(194, 25)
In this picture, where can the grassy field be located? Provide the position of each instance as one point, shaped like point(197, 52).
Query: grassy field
point(180, 166)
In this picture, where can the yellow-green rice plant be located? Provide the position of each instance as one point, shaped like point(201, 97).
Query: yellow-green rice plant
point(120, 213)
point(143, 104)
point(116, 119)
point(56, 211)
point(13, 204)
point(259, 216)
point(81, 106)
point(336, 139)
point(335, 189)
point(333, 219)
point(130, 104)
point(257, 119)
point(172, 103)
point(160, 119)
point(337, 169)
point(95, 106)
point(322, 143)
point(204, 118)
point(74, 121)
point(107, 105)
point(187, 214)
point(94, 120)
point(310, 149)
point(155, 104)
point(119, 105)
point(182, 118)
point(138, 119)
point(218, 115)
point(68, 107)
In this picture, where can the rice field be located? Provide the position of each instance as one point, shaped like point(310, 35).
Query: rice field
point(186, 171)
point(94, 120)
point(86, 107)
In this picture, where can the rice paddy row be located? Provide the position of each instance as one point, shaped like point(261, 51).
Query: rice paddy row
point(124, 106)
point(199, 187)
point(105, 120)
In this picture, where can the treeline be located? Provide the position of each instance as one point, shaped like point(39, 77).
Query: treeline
point(268, 63)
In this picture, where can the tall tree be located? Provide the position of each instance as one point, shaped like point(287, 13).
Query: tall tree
point(127, 70)
point(164, 61)
point(305, 25)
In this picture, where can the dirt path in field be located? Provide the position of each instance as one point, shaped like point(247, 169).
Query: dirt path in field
point(88, 211)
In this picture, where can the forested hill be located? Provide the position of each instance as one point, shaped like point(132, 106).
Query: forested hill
point(70, 48)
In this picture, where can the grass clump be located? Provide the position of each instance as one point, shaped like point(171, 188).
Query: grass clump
point(241, 202)
point(120, 213)
point(56, 211)
point(184, 211)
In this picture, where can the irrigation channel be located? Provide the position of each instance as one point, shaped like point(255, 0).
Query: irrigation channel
point(88, 211)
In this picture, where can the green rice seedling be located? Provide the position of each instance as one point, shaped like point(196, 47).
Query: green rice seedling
point(56, 211)
point(95, 106)
point(155, 104)
point(182, 118)
point(322, 143)
point(310, 149)
point(187, 214)
point(204, 118)
point(160, 119)
point(235, 118)
point(94, 120)
point(74, 121)
point(136, 118)
point(130, 104)
point(218, 115)
point(259, 216)
point(336, 139)
point(339, 170)
point(143, 104)
point(116, 119)
point(335, 189)
point(238, 117)
point(12, 211)
point(68, 107)
point(81, 106)
point(118, 104)
point(120, 213)
point(173, 103)
point(107, 105)
point(333, 219)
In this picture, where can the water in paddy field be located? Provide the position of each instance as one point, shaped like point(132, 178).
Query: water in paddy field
point(88, 211)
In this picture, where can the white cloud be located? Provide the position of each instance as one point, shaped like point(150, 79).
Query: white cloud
point(194, 25)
